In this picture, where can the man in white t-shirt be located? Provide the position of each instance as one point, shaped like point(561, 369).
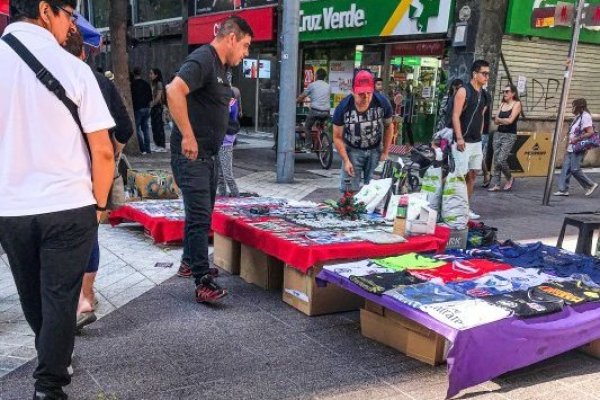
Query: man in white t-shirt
point(52, 189)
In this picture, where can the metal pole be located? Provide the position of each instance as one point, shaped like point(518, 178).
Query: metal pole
point(288, 90)
point(257, 93)
point(563, 100)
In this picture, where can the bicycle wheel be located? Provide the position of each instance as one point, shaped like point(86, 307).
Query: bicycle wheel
point(414, 184)
point(325, 153)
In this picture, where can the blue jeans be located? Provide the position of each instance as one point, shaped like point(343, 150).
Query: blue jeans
point(365, 162)
point(572, 166)
point(142, 116)
point(198, 183)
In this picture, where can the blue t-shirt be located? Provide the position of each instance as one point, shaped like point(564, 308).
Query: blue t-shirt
point(363, 130)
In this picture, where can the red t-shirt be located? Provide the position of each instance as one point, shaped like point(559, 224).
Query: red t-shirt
point(461, 270)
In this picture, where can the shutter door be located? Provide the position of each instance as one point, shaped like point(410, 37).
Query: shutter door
point(542, 63)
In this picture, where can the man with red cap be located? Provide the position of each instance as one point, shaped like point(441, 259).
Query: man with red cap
point(362, 131)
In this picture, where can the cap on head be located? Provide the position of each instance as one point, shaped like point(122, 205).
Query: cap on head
point(364, 82)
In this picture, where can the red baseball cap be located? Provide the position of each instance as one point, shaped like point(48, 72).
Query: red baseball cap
point(364, 82)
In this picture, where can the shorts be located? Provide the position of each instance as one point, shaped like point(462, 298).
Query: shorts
point(94, 261)
point(468, 160)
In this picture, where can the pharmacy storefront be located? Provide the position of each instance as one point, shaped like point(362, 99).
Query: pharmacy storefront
point(401, 41)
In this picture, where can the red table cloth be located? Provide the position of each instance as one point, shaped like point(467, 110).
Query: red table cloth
point(162, 230)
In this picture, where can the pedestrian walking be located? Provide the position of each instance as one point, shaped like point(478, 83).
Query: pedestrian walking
point(156, 108)
point(141, 96)
point(362, 122)
point(54, 186)
point(505, 137)
point(225, 161)
point(581, 128)
point(198, 99)
point(119, 135)
point(470, 104)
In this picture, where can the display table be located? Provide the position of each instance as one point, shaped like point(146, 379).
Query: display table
point(485, 352)
point(162, 229)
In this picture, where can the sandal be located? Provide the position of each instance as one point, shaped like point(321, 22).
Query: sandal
point(496, 188)
point(508, 186)
point(85, 318)
point(487, 179)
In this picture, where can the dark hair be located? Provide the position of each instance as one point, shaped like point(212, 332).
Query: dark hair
point(378, 80)
point(454, 86)
point(74, 43)
point(477, 65)
point(237, 25)
point(30, 9)
point(137, 71)
point(321, 74)
point(580, 105)
point(158, 74)
point(514, 91)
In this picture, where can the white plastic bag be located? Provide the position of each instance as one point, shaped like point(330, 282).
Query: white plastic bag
point(455, 202)
point(432, 186)
point(373, 193)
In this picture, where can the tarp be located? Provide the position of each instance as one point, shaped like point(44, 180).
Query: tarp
point(91, 36)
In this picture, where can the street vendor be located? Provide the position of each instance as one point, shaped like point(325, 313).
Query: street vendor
point(362, 131)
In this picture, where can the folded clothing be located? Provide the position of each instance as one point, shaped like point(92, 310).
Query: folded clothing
point(460, 270)
point(526, 303)
point(465, 314)
point(379, 283)
point(571, 292)
point(356, 268)
point(408, 261)
point(425, 293)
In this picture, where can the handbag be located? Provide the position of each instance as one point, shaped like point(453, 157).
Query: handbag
point(589, 143)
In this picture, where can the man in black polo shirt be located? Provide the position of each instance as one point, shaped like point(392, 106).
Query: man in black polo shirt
point(198, 100)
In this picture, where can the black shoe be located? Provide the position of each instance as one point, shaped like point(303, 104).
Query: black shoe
point(186, 272)
point(45, 396)
point(208, 291)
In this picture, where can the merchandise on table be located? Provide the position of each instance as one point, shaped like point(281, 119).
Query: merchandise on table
point(379, 283)
point(332, 223)
point(326, 237)
point(571, 292)
point(425, 293)
point(380, 237)
point(461, 270)
point(249, 201)
point(357, 268)
point(170, 209)
point(408, 261)
point(465, 314)
point(526, 304)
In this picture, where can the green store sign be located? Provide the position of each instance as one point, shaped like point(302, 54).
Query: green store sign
point(537, 18)
point(349, 19)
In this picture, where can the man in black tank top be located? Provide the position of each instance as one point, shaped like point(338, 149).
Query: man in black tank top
point(470, 104)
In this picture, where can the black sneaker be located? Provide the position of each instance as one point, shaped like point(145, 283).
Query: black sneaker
point(208, 291)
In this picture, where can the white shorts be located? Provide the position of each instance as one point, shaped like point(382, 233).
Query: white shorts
point(470, 159)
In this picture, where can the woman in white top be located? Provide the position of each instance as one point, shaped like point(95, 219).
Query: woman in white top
point(581, 128)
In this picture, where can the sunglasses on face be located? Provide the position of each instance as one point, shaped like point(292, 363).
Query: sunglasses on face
point(507, 91)
point(485, 73)
point(71, 14)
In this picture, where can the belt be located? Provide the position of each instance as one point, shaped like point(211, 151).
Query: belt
point(322, 111)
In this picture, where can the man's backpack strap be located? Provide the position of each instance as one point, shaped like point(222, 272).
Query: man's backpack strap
point(46, 77)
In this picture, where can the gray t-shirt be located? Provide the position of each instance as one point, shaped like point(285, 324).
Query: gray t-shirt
point(319, 93)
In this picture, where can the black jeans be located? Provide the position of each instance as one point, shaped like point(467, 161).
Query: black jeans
point(47, 254)
point(158, 127)
point(198, 183)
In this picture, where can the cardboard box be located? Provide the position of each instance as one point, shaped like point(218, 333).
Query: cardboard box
point(260, 269)
point(302, 292)
point(592, 348)
point(458, 239)
point(402, 334)
point(227, 253)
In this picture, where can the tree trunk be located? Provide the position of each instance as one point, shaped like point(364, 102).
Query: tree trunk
point(120, 62)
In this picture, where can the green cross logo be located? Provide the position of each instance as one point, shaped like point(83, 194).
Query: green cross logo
point(423, 11)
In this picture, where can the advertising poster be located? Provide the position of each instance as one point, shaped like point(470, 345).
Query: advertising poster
point(310, 70)
point(340, 79)
point(253, 69)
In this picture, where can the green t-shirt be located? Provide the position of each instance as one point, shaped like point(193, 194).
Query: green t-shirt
point(408, 261)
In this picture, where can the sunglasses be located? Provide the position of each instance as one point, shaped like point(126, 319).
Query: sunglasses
point(507, 91)
point(70, 14)
point(486, 74)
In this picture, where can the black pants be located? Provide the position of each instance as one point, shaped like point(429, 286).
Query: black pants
point(47, 254)
point(158, 127)
point(198, 183)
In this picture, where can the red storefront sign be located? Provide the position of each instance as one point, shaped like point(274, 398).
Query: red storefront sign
point(425, 49)
point(4, 7)
point(202, 29)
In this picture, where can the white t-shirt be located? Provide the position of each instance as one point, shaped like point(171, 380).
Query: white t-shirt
point(580, 124)
point(44, 162)
point(465, 314)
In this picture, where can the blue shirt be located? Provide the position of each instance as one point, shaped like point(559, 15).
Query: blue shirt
point(363, 130)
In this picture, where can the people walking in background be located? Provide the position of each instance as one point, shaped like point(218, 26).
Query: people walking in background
point(470, 104)
point(141, 96)
point(198, 99)
point(225, 162)
point(156, 108)
point(54, 187)
point(362, 126)
point(581, 128)
point(319, 93)
point(119, 135)
point(505, 137)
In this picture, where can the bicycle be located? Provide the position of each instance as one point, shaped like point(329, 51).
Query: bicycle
point(407, 178)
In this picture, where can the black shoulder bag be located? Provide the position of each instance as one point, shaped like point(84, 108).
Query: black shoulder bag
point(46, 77)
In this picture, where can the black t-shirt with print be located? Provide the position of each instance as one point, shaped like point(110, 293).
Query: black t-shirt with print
point(379, 283)
point(208, 100)
point(572, 292)
point(526, 304)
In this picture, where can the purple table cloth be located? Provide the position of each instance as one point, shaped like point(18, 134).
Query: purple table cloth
point(488, 351)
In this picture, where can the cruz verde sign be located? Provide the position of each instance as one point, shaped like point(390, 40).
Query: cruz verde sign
point(553, 19)
point(348, 19)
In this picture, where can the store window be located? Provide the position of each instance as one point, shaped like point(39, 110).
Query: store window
point(100, 10)
point(156, 10)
